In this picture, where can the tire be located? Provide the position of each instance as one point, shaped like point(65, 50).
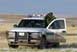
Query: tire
point(14, 46)
point(43, 43)
point(56, 44)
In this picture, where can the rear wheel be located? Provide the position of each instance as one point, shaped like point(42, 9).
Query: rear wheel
point(14, 46)
point(56, 44)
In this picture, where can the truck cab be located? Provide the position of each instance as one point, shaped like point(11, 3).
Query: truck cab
point(33, 31)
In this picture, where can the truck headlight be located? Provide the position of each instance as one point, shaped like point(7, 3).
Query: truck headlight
point(11, 34)
point(35, 35)
point(21, 34)
point(11, 40)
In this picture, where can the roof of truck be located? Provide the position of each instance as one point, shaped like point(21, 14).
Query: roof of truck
point(34, 18)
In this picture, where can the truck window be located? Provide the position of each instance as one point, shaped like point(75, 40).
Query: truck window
point(59, 24)
point(32, 23)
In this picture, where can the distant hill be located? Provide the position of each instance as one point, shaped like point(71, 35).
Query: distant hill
point(11, 16)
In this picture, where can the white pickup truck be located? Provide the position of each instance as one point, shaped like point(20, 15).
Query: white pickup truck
point(32, 31)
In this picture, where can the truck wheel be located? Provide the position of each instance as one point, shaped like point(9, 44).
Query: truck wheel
point(43, 43)
point(14, 46)
point(56, 44)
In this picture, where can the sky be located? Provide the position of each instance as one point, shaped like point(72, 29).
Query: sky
point(58, 7)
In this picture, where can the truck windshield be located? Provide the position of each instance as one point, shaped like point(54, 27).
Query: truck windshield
point(32, 23)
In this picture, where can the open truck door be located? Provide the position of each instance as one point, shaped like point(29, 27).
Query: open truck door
point(57, 25)
point(57, 28)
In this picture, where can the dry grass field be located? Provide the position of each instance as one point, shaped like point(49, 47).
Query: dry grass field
point(8, 24)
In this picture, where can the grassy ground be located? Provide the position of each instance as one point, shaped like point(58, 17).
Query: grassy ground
point(38, 50)
point(72, 30)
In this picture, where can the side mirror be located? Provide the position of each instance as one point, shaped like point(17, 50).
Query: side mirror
point(15, 25)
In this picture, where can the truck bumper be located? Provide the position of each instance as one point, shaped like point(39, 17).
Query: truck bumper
point(24, 42)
